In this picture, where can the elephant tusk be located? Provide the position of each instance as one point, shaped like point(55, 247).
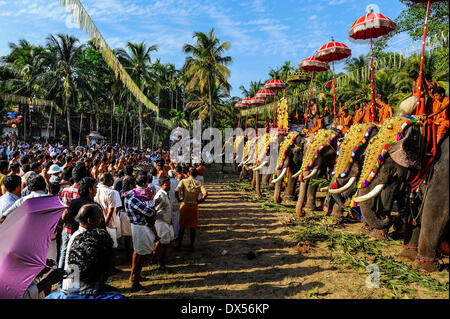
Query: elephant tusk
point(297, 174)
point(253, 167)
point(312, 174)
point(244, 162)
point(283, 172)
point(323, 189)
point(374, 192)
point(343, 188)
point(261, 166)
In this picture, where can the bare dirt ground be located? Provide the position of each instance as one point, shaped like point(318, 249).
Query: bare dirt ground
point(245, 251)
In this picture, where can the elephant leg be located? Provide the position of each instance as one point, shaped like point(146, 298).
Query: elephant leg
point(337, 212)
point(431, 233)
point(301, 199)
point(253, 180)
point(258, 184)
point(266, 179)
point(411, 243)
point(311, 197)
point(290, 188)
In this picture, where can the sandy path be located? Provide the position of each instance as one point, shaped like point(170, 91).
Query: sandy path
point(229, 229)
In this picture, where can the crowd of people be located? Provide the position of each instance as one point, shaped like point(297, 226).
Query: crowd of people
point(116, 197)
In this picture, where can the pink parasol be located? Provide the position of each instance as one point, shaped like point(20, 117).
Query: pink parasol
point(331, 52)
point(25, 237)
point(371, 26)
point(419, 80)
point(275, 85)
point(313, 65)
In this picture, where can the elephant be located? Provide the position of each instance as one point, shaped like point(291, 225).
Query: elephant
point(434, 213)
point(349, 161)
point(293, 155)
point(318, 158)
point(376, 194)
point(261, 158)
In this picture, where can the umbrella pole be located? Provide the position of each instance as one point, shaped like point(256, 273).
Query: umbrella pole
point(371, 81)
point(265, 117)
point(309, 98)
point(334, 98)
point(275, 110)
point(256, 122)
point(419, 80)
point(239, 120)
point(246, 119)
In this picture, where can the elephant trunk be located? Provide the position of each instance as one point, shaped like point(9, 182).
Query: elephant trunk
point(371, 218)
point(301, 198)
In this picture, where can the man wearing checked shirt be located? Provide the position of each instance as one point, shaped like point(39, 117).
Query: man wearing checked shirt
point(142, 218)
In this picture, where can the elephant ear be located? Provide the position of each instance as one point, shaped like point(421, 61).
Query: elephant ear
point(406, 152)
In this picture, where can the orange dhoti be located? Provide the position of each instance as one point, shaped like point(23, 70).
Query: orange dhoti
point(188, 216)
point(442, 128)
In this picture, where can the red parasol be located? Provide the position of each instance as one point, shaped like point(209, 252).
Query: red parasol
point(371, 26)
point(313, 65)
point(331, 52)
point(275, 85)
point(419, 80)
point(265, 93)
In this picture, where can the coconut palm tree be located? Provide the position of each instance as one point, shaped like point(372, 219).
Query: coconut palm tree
point(206, 65)
point(138, 62)
point(254, 88)
point(65, 70)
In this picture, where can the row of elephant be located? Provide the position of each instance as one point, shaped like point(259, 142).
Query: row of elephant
point(373, 167)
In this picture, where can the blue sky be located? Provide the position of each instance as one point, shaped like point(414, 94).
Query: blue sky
point(263, 33)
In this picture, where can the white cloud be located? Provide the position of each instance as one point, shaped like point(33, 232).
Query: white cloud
point(2, 3)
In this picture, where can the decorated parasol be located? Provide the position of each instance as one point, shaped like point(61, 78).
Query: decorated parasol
point(419, 80)
point(275, 85)
point(331, 52)
point(313, 65)
point(371, 26)
point(265, 93)
point(256, 101)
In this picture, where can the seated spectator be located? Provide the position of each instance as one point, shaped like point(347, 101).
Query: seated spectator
point(91, 256)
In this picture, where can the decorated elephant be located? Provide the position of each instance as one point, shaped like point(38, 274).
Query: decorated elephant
point(386, 170)
point(433, 215)
point(261, 164)
point(349, 162)
point(319, 157)
point(289, 161)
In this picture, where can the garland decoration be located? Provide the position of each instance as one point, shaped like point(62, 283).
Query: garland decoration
point(322, 139)
point(349, 146)
point(390, 132)
point(284, 147)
